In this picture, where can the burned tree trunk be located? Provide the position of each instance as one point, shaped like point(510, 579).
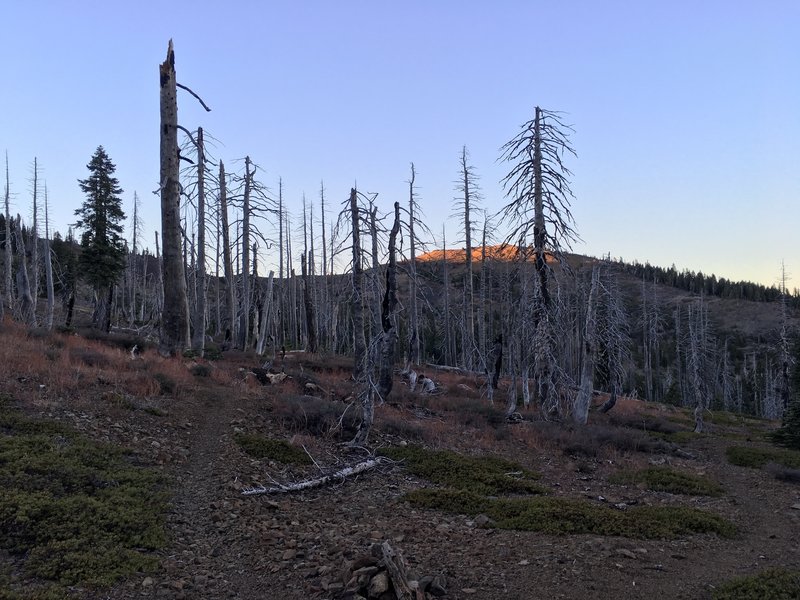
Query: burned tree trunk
point(199, 320)
point(175, 314)
point(388, 308)
point(244, 315)
point(311, 331)
point(9, 259)
point(580, 411)
point(413, 327)
point(48, 268)
point(360, 371)
point(230, 285)
point(23, 283)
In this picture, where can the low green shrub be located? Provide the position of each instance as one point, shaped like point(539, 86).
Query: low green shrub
point(487, 475)
point(748, 456)
point(259, 446)
point(75, 512)
point(558, 515)
point(772, 584)
point(666, 479)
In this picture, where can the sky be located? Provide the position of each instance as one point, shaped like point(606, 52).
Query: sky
point(686, 114)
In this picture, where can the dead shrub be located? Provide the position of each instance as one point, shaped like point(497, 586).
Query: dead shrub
point(783, 473)
point(645, 423)
point(89, 357)
point(401, 428)
point(317, 416)
point(598, 440)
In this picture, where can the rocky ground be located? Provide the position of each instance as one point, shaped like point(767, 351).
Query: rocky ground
point(304, 545)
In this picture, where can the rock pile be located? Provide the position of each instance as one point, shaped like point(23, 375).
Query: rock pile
point(382, 574)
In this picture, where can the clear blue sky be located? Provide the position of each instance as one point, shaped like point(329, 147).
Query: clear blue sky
point(686, 113)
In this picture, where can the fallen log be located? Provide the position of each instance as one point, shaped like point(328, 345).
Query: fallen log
point(339, 475)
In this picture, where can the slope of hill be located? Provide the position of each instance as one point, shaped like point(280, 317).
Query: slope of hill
point(633, 506)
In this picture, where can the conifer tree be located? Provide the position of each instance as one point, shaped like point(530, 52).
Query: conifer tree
point(100, 217)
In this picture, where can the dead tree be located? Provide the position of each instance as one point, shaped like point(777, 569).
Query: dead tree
point(9, 257)
point(34, 266)
point(244, 315)
point(199, 317)
point(388, 308)
point(360, 367)
point(580, 410)
point(48, 267)
point(467, 186)
point(539, 192)
point(25, 301)
point(230, 284)
point(613, 339)
point(175, 314)
point(413, 326)
point(311, 330)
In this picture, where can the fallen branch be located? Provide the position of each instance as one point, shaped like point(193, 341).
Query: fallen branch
point(396, 567)
point(340, 475)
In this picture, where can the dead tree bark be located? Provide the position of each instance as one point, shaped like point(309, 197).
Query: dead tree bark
point(244, 316)
point(388, 308)
point(175, 314)
point(538, 183)
point(230, 284)
point(48, 268)
point(23, 283)
point(311, 331)
point(413, 328)
point(360, 370)
point(199, 320)
point(134, 243)
point(266, 317)
point(467, 185)
point(9, 257)
point(35, 237)
point(580, 411)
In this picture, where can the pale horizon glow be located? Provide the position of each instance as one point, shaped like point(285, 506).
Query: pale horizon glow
point(686, 114)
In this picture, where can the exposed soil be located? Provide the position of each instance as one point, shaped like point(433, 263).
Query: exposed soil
point(296, 546)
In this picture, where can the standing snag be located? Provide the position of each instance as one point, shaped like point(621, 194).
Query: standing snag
point(175, 314)
point(539, 206)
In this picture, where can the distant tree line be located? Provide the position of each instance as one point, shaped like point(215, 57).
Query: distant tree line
point(710, 285)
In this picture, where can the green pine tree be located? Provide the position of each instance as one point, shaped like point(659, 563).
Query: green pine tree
point(788, 434)
point(102, 246)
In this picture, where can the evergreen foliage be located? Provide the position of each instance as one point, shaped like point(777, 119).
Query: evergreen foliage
point(100, 217)
point(788, 434)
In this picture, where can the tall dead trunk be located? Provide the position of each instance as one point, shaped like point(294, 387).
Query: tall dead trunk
point(9, 257)
point(199, 320)
point(449, 356)
point(23, 283)
point(580, 411)
point(244, 316)
point(35, 237)
point(175, 314)
point(388, 308)
point(360, 374)
point(266, 316)
point(413, 329)
point(48, 268)
point(311, 331)
point(134, 242)
point(466, 186)
point(230, 284)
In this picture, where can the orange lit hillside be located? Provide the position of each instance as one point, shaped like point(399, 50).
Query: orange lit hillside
point(501, 252)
